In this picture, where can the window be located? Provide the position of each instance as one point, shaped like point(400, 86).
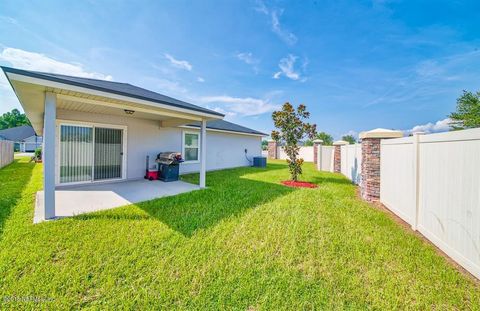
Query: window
point(191, 146)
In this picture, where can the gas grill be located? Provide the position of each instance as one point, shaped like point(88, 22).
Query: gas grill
point(168, 165)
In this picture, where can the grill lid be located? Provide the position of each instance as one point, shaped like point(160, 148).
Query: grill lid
point(169, 158)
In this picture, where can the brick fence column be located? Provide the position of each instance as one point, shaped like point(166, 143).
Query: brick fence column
point(337, 155)
point(272, 149)
point(316, 144)
point(371, 143)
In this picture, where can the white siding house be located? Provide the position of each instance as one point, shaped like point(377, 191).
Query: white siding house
point(24, 138)
point(97, 131)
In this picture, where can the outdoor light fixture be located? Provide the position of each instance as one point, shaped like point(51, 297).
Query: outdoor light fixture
point(129, 111)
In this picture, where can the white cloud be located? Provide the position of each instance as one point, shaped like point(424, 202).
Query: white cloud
point(247, 58)
point(169, 87)
point(287, 68)
point(274, 15)
point(429, 68)
point(244, 106)
point(182, 64)
point(439, 126)
point(8, 99)
point(200, 79)
point(429, 78)
point(39, 62)
point(287, 36)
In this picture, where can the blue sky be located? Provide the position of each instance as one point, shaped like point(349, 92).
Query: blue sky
point(357, 65)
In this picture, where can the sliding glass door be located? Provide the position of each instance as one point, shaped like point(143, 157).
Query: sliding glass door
point(108, 153)
point(89, 153)
point(76, 153)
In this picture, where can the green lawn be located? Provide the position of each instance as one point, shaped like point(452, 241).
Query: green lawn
point(246, 242)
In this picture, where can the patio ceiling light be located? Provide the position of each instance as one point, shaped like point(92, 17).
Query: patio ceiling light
point(129, 111)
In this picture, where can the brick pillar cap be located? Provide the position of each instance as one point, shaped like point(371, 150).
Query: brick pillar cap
point(340, 143)
point(271, 141)
point(381, 133)
point(318, 141)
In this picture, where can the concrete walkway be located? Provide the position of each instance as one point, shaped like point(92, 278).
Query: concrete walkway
point(74, 200)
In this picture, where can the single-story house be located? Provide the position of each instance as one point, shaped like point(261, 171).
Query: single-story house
point(24, 137)
point(97, 131)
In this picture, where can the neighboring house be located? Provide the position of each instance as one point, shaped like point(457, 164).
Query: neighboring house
point(23, 136)
point(97, 131)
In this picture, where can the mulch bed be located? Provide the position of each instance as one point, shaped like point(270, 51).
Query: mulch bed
point(298, 184)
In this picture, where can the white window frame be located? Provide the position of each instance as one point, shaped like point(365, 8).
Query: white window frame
point(60, 122)
point(183, 146)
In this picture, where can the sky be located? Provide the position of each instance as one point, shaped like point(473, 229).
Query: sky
point(356, 65)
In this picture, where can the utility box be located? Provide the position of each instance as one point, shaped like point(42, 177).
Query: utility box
point(259, 162)
point(168, 172)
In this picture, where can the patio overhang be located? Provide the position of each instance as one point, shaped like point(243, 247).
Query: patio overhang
point(31, 89)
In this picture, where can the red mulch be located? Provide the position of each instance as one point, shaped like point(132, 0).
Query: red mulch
point(298, 184)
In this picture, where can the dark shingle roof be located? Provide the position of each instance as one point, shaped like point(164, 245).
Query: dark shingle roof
point(227, 126)
point(118, 88)
point(18, 133)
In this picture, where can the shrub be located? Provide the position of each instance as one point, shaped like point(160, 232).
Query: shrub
point(38, 153)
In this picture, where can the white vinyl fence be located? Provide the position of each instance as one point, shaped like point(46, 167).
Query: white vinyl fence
point(351, 157)
point(6, 152)
point(433, 183)
point(325, 162)
point(306, 153)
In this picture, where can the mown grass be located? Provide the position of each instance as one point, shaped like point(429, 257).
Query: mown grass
point(246, 242)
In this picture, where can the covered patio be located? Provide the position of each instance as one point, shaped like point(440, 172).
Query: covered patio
point(80, 199)
point(97, 135)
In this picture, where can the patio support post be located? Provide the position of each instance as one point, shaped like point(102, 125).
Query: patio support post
point(203, 153)
point(48, 154)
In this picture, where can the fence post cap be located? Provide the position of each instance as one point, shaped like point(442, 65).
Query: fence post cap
point(317, 141)
point(340, 143)
point(381, 133)
point(419, 133)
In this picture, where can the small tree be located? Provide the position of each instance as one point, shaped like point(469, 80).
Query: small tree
point(264, 145)
point(350, 139)
point(326, 138)
point(468, 111)
point(308, 143)
point(291, 129)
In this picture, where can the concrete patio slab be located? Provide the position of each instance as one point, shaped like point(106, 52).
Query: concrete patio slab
point(75, 200)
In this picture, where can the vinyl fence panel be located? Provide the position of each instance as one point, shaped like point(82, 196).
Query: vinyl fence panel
point(6, 152)
point(306, 153)
point(351, 158)
point(397, 190)
point(433, 183)
point(326, 158)
point(449, 197)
